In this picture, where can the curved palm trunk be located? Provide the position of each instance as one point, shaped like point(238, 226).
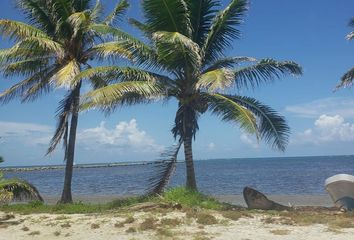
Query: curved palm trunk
point(66, 196)
point(188, 154)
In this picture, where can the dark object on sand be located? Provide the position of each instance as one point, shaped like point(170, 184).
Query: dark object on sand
point(257, 200)
point(341, 189)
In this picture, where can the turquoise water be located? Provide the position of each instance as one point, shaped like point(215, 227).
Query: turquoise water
point(280, 176)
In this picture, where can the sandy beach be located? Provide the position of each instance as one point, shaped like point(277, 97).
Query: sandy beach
point(158, 224)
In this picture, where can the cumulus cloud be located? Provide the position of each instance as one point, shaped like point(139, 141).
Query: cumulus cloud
point(247, 139)
point(331, 106)
point(327, 129)
point(124, 136)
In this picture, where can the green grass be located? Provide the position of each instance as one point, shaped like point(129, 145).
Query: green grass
point(179, 195)
point(39, 207)
point(189, 198)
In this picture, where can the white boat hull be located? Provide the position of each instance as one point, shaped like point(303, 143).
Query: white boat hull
point(341, 189)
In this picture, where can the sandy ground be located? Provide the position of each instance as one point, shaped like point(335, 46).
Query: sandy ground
point(117, 226)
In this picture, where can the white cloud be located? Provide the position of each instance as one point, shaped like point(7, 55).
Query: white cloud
point(247, 139)
point(211, 146)
point(327, 129)
point(330, 106)
point(27, 133)
point(124, 137)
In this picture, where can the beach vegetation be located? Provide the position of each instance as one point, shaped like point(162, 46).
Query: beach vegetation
point(57, 233)
point(199, 75)
point(17, 190)
point(206, 218)
point(191, 198)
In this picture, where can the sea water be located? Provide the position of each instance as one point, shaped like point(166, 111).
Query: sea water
point(277, 176)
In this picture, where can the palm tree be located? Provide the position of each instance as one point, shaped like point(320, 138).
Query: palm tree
point(190, 38)
point(348, 77)
point(61, 39)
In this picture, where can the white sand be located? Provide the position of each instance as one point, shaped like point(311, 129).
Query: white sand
point(79, 226)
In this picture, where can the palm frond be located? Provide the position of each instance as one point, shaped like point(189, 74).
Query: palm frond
point(263, 71)
point(144, 28)
point(163, 170)
point(66, 75)
point(123, 93)
point(223, 30)
point(30, 88)
point(119, 10)
point(111, 50)
point(63, 114)
point(80, 5)
point(272, 127)
point(41, 44)
point(97, 11)
point(228, 62)
point(24, 68)
point(176, 51)
point(169, 16)
point(347, 79)
point(186, 120)
point(15, 54)
point(79, 22)
point(18, 30)
point(350, 36)
point(111, 74)
point(201, 14)
point(232, 111)
point(218, 79)
point(138, 50)
point(37, 13)
point(17, 190)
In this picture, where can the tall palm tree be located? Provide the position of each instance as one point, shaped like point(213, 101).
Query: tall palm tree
point(348, 77)
point(61, 39)
point(190, 38)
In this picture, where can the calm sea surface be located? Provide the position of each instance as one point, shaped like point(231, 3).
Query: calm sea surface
point(279, 176)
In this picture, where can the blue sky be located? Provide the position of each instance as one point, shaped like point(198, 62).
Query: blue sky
point(311, 33)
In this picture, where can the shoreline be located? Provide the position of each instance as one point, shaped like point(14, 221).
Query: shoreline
point(287, 200)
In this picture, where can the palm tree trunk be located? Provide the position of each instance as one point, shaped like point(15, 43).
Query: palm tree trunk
point(66, 196)
point(188, 154)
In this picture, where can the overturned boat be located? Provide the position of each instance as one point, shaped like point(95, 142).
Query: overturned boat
point(341, 189)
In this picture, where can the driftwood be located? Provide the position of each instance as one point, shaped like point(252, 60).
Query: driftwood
point(257, 200)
